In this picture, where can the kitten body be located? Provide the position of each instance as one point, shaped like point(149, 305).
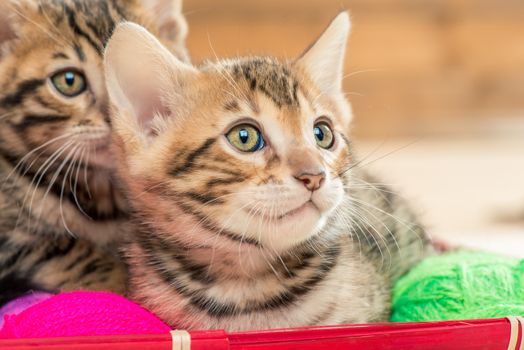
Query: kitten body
point(61, 211)
point(251, 210)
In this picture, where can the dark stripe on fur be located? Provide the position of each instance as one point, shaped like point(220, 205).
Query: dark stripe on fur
point(78, 31)
point(31, 120)
point(204, 222)
point(191, 158)
point(273, 80)
point(88, 251)
point(118, 9)
point(23, 89)
point(153, 245)
point(60, 249)
point(168, 194)
point(80, 52)
point(204, 198)
point(60, 55)
point(215, 308)
point(225, 181)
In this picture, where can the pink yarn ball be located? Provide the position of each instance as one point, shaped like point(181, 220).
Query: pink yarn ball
point(82, 314)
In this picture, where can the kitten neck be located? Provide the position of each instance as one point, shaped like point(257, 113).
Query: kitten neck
point(216, 259)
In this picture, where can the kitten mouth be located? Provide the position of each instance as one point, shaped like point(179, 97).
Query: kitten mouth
point(292, 213)
point(297, 211)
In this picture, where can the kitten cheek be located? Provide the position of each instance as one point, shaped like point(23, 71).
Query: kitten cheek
point(328, 198)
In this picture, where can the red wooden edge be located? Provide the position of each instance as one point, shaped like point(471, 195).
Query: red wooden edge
point(475, 334)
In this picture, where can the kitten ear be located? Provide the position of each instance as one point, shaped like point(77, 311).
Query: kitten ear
point(171, 22)
point(324, 60)
point(144, 80)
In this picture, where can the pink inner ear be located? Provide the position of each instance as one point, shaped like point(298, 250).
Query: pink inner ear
point(7, 31)
point(148, 104)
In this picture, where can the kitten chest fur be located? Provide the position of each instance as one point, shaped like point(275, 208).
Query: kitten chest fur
point(208, 282)
point(332, 287)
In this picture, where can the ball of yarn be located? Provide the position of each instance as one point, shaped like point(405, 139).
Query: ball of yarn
point(460, 285)
point(82, 314)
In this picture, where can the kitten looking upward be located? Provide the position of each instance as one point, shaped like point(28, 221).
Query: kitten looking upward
point(252, 210)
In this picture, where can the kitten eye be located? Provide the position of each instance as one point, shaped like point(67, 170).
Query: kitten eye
point(246, 138)
point(323, 135)
point(69, 83)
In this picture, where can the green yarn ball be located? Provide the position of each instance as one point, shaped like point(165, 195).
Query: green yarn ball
point(460, 285)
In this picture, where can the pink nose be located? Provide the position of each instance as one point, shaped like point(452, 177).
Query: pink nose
point(312, 181)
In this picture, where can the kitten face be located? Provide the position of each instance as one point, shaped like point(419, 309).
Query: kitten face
point(251, 148)
point(53, 91)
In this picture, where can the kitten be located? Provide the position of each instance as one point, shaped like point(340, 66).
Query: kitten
point(61, 212)
point(251, 209)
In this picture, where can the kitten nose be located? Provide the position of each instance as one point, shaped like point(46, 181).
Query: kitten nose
point(312, 181)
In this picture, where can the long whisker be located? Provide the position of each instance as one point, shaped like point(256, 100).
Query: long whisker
point(29, 154)
point(217, 234)
point(75, 187)
point(273, 220)
point(250, 215)
point(349, 222)
point(85, 174)
point(361, 164)
point(362, 71)
point(33, 187)
point(368, 223)
point(261, 249)
point(407, 225)
point(361, 224)
point(368, 155)
point(67, 173)
point(228, 78)
point(57, 174)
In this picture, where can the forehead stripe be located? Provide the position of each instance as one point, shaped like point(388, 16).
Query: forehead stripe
point(78, 31)
point(273, 80)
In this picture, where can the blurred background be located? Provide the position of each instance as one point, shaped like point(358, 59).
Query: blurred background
point(437, 88)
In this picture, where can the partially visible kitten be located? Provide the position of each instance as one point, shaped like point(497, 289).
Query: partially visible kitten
point(252, 211)
point(55, 168)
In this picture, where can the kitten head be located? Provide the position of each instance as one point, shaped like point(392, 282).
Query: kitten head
point(250, 149)
point(53, 97)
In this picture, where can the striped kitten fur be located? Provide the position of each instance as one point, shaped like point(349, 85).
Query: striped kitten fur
point(251, 209)
point(61, 211)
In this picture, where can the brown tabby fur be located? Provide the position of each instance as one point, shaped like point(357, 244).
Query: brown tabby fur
point(60, 209)
point(227, 239)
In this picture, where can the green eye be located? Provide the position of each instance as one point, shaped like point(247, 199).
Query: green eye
point(246, 138)
point(323, 135)
point(69, 83)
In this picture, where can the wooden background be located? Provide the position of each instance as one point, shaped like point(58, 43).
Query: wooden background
point(413, 66)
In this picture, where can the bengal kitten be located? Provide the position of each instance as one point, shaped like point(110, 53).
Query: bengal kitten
point(251, 209)
point(60, 210)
